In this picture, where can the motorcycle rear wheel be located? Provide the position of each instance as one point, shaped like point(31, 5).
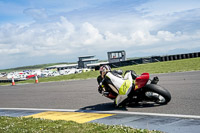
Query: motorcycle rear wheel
point(157, 94)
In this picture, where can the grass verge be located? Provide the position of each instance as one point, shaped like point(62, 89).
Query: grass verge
point(192, 64)
point(35, 125)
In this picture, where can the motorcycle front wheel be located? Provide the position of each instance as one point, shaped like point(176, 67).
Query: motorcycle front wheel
point(157, 94)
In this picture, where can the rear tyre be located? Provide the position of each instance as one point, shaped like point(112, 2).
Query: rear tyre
point(157, 94)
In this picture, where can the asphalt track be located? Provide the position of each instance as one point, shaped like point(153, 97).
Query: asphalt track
point(82, 95)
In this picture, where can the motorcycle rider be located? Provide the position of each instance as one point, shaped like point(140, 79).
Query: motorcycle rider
point(116, 83)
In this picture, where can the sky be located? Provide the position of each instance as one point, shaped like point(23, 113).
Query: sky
point(48, 31)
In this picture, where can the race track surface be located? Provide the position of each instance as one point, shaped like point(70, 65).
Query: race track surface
point(83, 95)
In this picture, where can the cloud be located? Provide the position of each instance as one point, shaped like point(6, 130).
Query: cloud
point(143, 38)
point(159, 7)
point(63, 36)
point(36, 14)
point(87, 35)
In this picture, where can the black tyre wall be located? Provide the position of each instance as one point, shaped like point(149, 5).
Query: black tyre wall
point(160, 90)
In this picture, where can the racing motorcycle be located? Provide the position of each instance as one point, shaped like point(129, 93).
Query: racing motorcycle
point(144, 90)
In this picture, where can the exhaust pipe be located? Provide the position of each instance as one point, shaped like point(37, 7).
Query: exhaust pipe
point(155, 80)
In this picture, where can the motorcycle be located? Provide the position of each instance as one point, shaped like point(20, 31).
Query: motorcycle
point(144, 90)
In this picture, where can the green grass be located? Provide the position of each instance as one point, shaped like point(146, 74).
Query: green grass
point(35, 125)
point(192, 64)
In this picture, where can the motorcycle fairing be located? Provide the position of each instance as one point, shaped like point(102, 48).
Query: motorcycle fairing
point(141, 81)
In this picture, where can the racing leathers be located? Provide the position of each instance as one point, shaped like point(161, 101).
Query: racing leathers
point(119, 86)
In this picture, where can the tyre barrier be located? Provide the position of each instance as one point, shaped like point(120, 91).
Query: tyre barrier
point(180, 56)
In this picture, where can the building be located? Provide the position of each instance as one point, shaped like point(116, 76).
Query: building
point(85, 60)
point(116, 56)
point(62, 67)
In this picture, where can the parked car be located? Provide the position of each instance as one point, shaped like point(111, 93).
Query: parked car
point(30, 76)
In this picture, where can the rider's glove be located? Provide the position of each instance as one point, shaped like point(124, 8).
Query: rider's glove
point(100, 89)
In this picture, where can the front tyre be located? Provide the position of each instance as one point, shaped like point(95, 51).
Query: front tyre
point(157, 94)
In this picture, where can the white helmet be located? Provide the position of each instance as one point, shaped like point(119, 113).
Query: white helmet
point(105, 68)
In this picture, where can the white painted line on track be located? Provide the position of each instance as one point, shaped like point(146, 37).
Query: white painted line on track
point(41, 109)
point(111, 112)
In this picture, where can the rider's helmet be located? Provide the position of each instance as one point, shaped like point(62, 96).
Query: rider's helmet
point(104, 68)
